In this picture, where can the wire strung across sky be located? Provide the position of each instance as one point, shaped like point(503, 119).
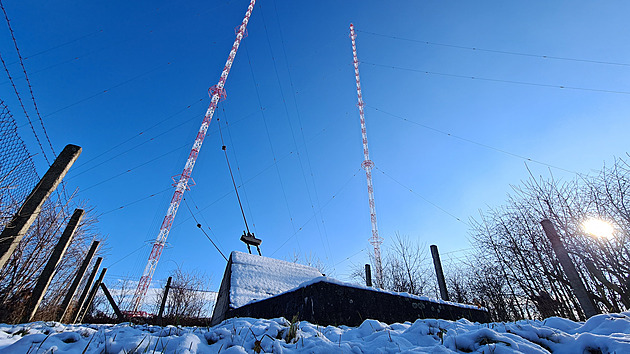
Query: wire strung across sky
point(202, 230)
point(28, 117)
point(471, 141)
point(498, 51)
point(288, 116)
point(318, 211)
point(422, 197)
point(134, 202)
point(133, 168)
point(166, 119)
point(238, 168)
point(264, 119)
point(108, 89)
point(515, 82)
point(30, 87)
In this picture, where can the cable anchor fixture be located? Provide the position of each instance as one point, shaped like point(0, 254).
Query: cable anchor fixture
point(250, 240)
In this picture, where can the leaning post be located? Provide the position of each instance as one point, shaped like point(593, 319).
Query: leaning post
point(86, 290)
point(88, 302)
point(49, 270)
point(166, 289)
point(437, 264)
point(65, 305)
point(109, 297)
point(569, 270)
point(15, 230)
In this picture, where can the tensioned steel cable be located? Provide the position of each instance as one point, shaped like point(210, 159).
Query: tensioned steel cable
point(223, 147)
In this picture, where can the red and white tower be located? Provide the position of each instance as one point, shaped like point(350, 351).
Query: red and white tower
point(367, 165)
point(182, 181)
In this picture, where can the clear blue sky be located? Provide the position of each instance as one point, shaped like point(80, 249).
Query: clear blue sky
point(155, 58)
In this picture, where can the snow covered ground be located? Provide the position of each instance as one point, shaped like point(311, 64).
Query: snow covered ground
point(600, 334)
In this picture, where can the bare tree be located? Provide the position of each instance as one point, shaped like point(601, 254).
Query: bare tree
point(405, 267)
point(311, 260)
point(187, 297)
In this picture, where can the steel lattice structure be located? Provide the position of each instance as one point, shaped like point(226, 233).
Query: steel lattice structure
point(182, 181)
point(367, 165)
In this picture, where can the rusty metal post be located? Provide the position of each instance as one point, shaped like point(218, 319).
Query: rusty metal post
point(15, 230)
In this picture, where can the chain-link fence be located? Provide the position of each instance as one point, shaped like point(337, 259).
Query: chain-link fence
point(18, 175)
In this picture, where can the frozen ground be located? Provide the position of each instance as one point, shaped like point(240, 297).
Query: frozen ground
point(600, 334)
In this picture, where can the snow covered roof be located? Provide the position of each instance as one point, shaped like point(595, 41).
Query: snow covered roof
point(255, 278)
point(250, 278)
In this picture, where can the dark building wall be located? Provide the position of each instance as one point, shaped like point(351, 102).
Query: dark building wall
point(223, 297)
point(326, 303)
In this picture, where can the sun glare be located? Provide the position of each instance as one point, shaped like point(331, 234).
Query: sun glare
point(599, 228)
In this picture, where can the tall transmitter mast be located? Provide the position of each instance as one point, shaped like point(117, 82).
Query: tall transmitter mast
point(367, 165)
point(218, 93)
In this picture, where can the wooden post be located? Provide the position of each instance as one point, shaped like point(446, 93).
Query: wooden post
point(49, 270)
point(437, 264)
point(166, 289)
point(15, 230)
point(77, 281)
point(91, 297)
point(86, 290)
point(579, 289)
point(112, 302)
point(368, 275)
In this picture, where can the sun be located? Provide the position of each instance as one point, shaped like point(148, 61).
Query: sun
point(599, 228)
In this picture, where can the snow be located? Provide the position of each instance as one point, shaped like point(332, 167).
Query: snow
point(607, 333)
point(256, 278)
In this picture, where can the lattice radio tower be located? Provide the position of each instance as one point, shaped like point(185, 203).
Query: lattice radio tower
point(182, 181)
point(367, 165)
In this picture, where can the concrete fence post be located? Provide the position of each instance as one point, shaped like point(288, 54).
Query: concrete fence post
point(86, 290)
point(437, 264)
point(109, 297)
point(83, 311)
point(166, 289)
point(65, 305)
point(368, 275)
point(49, 270)
point(579, 289)
point(15, 230)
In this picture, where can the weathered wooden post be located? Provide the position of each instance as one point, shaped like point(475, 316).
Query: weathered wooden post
point(86, 290)
point(15, 230)
point(166, 289)
point(49, 270)
point(437, 264)
point(109, 297)
point(579, 289)
point(91, 297)
point(368, 275)
point(77, 281)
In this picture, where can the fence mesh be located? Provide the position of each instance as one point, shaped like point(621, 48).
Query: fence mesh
point(18, 175)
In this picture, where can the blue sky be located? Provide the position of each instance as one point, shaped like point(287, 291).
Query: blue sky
point(104, 72)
